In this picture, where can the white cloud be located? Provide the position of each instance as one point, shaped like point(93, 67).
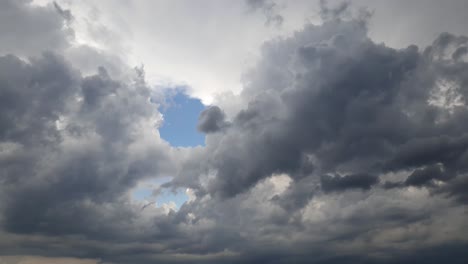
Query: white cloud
point(208, 46)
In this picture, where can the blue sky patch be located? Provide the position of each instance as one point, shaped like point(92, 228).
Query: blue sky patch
point(180, 121)
point(144, 192)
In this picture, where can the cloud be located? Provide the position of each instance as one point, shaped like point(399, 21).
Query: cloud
point(329, 100)
point(343, 103)
point(352, 181)
point(72, 142)
point(211, 120)
point(36, 28)
point(41, 260)
point(338, 150)
point(65, 13)
point(268, 8)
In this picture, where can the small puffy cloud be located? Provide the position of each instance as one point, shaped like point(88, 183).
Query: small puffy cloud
point(211, 120)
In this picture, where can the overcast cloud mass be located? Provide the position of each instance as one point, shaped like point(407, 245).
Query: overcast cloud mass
point(333, 132)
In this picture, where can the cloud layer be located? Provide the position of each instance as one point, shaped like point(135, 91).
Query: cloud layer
point(338, 150)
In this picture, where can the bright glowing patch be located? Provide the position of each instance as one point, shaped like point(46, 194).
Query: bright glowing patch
point(151, 193)
point(446, 96)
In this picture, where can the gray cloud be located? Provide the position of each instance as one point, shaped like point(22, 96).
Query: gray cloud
point(352, 181)
point(65, 13)
point(330, 101)
point(328, 118)
point(269, 10)
point(211, 120)
point(29, 30)
point(342, 103)
point(423, 176)
point(71, 145)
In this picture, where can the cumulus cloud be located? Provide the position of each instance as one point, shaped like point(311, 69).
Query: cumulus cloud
point(330, 100)
point(211, 120)
point(72, 142)
point(352, 181)
point(342, 150)
point(73, 146)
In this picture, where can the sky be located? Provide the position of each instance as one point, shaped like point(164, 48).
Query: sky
point(250, 131)
point(179, 127)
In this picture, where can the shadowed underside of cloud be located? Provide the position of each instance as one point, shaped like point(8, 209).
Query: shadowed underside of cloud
point(352, 181)
point(343, 151)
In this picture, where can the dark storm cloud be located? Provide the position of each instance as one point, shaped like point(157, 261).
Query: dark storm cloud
point(329, 101)
point(430, 150)
point(326, 112)
point(422, 177)
point(456, 189)
point(70, 145)
point(211, 120)
point(343, 103)
point(352, 181)
point(24, 117)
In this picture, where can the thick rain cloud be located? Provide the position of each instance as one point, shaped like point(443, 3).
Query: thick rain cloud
point(342, 150)
point(352, 181)
point(329, 100)
point(211, 120)
point(71, 145)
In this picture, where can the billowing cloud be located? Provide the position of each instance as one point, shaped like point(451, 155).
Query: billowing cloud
point(73, 142)
point(352, 181)
point(73, 146)
point(28, 29)
point(329, 100)
point(338, 150)
point(211, 120)
point(339, 113)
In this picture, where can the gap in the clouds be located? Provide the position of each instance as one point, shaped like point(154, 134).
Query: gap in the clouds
point(149, 192)
point(180, 120)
